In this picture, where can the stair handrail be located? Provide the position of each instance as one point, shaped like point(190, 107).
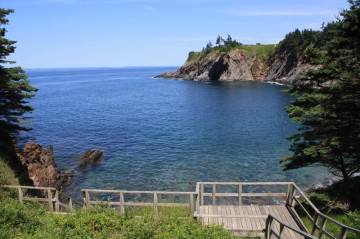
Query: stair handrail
point(318, 217)
point(269, 230)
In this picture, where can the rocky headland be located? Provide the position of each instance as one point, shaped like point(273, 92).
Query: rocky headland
point(223, 66)
point(283, 63)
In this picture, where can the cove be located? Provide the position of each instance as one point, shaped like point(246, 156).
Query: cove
point(163, 134)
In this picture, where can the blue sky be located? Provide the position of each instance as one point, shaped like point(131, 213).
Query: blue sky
point(117, 33)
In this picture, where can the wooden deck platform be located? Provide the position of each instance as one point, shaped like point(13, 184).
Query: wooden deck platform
point(249, 220)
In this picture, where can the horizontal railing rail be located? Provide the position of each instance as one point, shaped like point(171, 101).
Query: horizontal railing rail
point(240, 193)
point(123, 203)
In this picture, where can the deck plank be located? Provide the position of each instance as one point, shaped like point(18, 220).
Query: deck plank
point(249, 224)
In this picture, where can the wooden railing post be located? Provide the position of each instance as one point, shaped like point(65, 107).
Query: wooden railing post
point(343, 233)
point(268, 227)
point(290, 195)
point(122, 208)
point(321, 227)
point(70, 204)
point(313, 230)
point(156, 210)
point(87, 199)
point(21, 195)
point(192, 204)
point(214, 194)
point(281, 229)
point(197, 203)
point(240, 194)
point(57, 205)
point(202, 194)
point(49, 195)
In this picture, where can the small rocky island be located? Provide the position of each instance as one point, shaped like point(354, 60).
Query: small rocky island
point(230, 60)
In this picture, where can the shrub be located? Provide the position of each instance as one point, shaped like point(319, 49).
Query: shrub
point(30, 220)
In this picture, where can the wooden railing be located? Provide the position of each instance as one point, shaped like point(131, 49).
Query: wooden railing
point(272, 222)
point(207, 193)
point(240, 193)
point(291, 195)
point(119, 198)
point(303, 206)
point(56, 201)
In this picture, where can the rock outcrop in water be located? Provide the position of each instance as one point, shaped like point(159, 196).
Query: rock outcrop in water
point(90, 157)
point(41, 166)
point(225, 66)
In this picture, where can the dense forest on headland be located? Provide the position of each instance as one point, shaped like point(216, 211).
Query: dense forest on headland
point(327, 106)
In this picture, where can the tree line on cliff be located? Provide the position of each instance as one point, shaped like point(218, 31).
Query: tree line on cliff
point(221, 45)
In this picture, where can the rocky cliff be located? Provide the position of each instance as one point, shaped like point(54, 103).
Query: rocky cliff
point(287, 66)
point(224, 66)
point(284, 63)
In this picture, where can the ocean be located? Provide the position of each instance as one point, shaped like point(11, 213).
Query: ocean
point(162, 134)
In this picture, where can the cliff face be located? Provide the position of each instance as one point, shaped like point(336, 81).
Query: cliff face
point(286, 66)
point(227, 66)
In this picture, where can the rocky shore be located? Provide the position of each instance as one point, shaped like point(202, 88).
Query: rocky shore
point(41, 167)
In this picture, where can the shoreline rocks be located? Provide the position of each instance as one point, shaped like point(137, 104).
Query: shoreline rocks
point(90, 157)
point(41, 167)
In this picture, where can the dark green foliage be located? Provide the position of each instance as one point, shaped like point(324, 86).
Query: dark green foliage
point(221, 45)
point(294, 48)
point(328, 105)
point(345, 192)
point(297, 41)
point(15, 89)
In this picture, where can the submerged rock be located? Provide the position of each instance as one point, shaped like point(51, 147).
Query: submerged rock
point(91, 156)
point(42, 168)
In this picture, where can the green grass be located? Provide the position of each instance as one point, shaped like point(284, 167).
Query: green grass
point(351, 219)
point(7, 177)
point(260, 51)
point(30, 220)
point(333, 209)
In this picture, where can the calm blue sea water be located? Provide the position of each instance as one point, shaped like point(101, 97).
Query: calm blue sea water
point(162, 133)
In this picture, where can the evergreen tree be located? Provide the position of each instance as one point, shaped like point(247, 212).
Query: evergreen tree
point(229, 40)
point(15, 89)
point(218, 40)
point(328, 107)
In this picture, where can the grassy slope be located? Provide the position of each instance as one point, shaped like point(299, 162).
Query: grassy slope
point(31, 221)
point(261, 51)
point(7, 177)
